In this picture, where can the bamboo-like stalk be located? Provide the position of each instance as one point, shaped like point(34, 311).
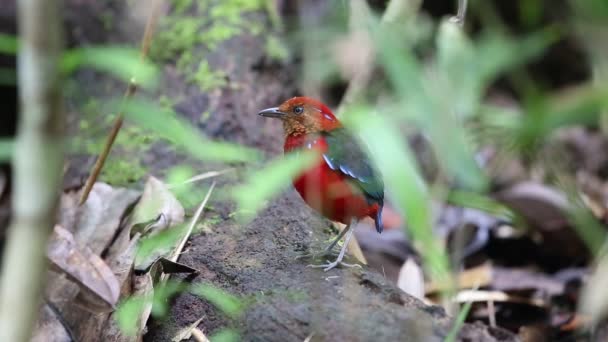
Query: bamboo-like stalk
point(37, 164)
point(117, 125)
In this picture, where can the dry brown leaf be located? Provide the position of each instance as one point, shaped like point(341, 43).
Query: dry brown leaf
point(543, 206)
point(99, 288)
point(157, 203)
point(479, 276)
point(496, 296)
point(95, 223)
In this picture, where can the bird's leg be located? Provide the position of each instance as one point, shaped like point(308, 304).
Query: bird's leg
point(329, 249)
point(349, 234)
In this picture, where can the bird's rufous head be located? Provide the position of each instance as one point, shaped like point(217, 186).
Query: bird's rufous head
point(303, 115)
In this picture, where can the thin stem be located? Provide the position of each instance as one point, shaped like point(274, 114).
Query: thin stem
point(462, 12)
point(38, 166)
point(131, 89)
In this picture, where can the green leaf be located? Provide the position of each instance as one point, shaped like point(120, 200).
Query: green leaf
point(484, 203)
point(459, 322)
point(9, 44)
point(183, 134)
point(403, 184)
point(8, 76)
point(268, 182)
point(425, 105)
point(162, 296)
point(225, 335)
point(128, 313)
point(157, 245)
point(6, 148)
point(457, 63)
point(227, 303)
point(495, 51)
point(124, 63)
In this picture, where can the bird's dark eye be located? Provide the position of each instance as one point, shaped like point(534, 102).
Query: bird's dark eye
point(298, 109)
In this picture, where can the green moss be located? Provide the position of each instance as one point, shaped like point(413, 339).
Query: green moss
point(181, 6)
point(121, 172)
point(276, 49)
point(207, 79)
point(204, 116)
point(199, 26)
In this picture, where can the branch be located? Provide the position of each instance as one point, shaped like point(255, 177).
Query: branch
point(131, 89)
point(38, 164)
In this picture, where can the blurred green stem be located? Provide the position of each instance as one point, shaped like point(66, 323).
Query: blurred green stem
point(396, 11)
point(37, 167)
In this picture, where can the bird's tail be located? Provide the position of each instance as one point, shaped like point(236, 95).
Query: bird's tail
point(378, 219)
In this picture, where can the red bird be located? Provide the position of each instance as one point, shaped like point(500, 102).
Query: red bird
point(343, 186)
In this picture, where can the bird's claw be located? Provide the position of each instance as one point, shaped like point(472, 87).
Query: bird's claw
point(330, 265)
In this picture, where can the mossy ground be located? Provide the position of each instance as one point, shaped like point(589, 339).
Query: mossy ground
point(184, 37)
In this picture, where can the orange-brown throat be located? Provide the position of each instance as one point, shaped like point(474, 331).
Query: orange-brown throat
point(293, 127)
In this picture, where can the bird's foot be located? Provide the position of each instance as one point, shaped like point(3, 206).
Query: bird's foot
point(330, 265)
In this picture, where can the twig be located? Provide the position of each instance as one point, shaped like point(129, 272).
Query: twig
point(37, 163)
point(461, 14)
point(201, 177)
point(131, 89)
point(175, 255)
point(492, 313)
point(199, 336)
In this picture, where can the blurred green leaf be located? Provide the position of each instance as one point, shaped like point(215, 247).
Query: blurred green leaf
point(6, 148)
point(495, 55)
point(128, 313)
point(225, 335)
point(124, 63)
point(9, 44)
point(156, 245)
point(8, 76)
point(183, 134)
point(227, 303)
point(429, 111)
point(484, 203)
point(268, 182)
point(403, 183)
point(457, 62)
point(459, 322)
point(591, 232)
point(163, 294)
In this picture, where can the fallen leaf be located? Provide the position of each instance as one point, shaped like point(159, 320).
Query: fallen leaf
point(475, 277)
point(199, 336)
point(496, 296)
point(186, 332)
point(157, 200)
point(543, 206)
point(411, 279)
point(98, 285)
point(95, 222)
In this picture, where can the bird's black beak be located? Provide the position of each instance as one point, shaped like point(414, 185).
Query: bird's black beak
point(273, 112)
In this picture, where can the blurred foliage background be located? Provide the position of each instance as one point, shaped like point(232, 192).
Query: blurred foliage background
point(465, 112)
